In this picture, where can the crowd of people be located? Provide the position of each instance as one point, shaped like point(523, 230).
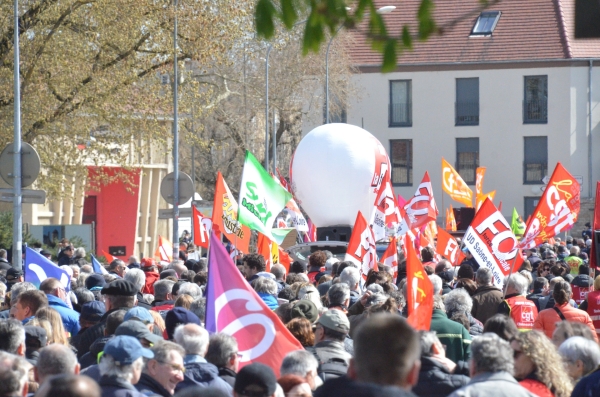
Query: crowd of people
point(139, 330)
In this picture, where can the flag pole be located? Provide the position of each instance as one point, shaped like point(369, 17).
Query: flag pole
point(512, 268)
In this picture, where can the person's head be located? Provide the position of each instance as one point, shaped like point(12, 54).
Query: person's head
point(575, 250)
point(28, 303)
point(52, 286)
point(113, 320)
point(350, 276)
point(119, 293)
point(14, 372)
point(193, 338)
point(179, 267)
point(124, 358)
point(562, 292)
point(59, 335)
point(490, 353)
point(317, 260)
point(253, 264)
point(69, 251)
point(256, 380)
point(69, 385)
point(190, 289)
point(437, 284)
point(567, 329)
point(18, 289)
point(223, 351)
point(148, 265)
point(301, 328)
point(465, 271)
point(501, 325)
point(278, 271)
point(580, 355)
point(430, 344)
point(297, 267)
point(163, 290)
point(294, 385)
point(265, 285)
point(137, 277)
point(119, 267)
point(332, 325)
point(383, 360)
point(303, 364)
point(458, 301)
point(339, 295)
point(584, 269)
point(166, 367)
point(427, 254)
point(3, 253)
point(198, 307)
point(540, 284)
point(483, 277)
point(443, 266)
point(12, 337)
point(517, 284)
point(55, 359)
point(138, 330)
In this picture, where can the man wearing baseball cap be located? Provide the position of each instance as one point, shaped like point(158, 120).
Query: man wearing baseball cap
point(255, 380)
point(118, 295)
point(121, 366)
point(331, 331)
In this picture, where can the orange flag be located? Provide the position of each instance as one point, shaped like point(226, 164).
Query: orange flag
point(481, 198)
point(419, 291)
point(455, 186)
point(479, 174)
point(448, 247)
point(164, 251)
point(225, 210)
point(263, 247)
point(450, 220)
point(109, 257)
point(284, 259)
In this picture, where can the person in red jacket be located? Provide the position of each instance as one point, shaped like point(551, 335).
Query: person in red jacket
point(547, 319)
point(149, 267)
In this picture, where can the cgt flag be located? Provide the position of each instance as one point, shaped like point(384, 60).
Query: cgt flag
point(261, 197)
point(556, 211)
point(386, 210)
point(224, 216)
point(202, 228)
point(361, 247)
point(492, 243)
point(38, 268)
point(234, 308)
point(419, 292)
point(455, 186)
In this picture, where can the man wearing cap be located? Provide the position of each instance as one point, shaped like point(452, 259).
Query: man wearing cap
point(163, 372)
point(121, 366)
point(56, 294)
point(142, 315)
point(13, 276)
point(178, 316)
point(95, 282)
point(66, 257)
point(35, 339)
point(255, 380)
point(91, 313)
point(331, 332)
point(140, 331)
point(119, 294)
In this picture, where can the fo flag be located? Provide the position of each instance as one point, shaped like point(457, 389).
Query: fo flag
point(556, 211)
point(202, 228)
point(38, 268)
point(261, 197)
point(448, 247)
point(420, 209)
point(419, 291)
point(224, 215)
point(390, 257)
point(361, 248)
point(455, 186)
point(232, 307)
point(492, 243)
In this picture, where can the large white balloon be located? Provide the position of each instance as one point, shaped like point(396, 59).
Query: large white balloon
point(335, 171)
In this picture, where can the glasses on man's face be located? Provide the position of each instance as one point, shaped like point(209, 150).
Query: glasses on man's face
point(174, 367)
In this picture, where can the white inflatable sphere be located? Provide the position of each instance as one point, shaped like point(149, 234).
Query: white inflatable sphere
point(335, 171)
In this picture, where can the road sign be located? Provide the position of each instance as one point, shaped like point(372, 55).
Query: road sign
point(27, 196)
point(30, 164)
point(546, 180)
point(168, 213)
point(186, 188)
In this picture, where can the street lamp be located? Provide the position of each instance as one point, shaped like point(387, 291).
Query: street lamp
point(382, 10)
point(17, 260)
point(175, 141)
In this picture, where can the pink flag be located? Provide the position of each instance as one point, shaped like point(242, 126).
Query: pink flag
point(232, 307)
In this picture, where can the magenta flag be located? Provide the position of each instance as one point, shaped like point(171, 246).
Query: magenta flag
point(234, 308)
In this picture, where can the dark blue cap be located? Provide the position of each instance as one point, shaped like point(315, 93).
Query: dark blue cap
point(126, 349)
point(92, 311)
point(178, 316)
point(139, 313)
point(95, 280)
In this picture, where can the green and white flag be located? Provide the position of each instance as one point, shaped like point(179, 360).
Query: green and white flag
point(261, 197)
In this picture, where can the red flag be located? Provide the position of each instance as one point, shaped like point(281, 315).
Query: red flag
point(285, 260)
point(225, 210)
point(419, 292)
point(595, 226)
point(492, 243)
point(111, 258)
point(311, 235)
point(390, 257)
point(385, 211)
point(421, 208)
point(263, 247)
point(448, 247)
point(202, 228)
point(234, 308)
point(361, 248)
point(282, 181)
point(556, 211)
point(164, 251)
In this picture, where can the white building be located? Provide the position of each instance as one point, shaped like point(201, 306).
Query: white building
point(508, 89)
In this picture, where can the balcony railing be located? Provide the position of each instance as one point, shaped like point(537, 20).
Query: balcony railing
point(535, 111)
point(467, 113)
point(401, 175)
point(533, 173)
point(401, 114)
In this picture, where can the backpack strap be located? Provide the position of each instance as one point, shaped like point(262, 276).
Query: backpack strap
point(562, 316)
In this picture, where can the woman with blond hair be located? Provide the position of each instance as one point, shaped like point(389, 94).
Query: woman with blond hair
point(538, 366)
point(59, 334)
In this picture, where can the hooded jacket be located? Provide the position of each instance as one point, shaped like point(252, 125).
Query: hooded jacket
point(151, 278)
point(199, 372)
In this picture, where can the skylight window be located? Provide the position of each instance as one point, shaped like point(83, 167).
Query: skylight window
point(486, 23)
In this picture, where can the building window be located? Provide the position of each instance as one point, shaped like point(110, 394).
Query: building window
point(530, 204)
point(535, 103)
point(486, 23)
point(401, 159)
point(535, 164)
point(467, 101)
point(400, 103)
point(467, 158)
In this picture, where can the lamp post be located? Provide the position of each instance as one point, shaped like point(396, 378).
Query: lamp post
point(175, 141)
point(17, 260)
point(382, 10)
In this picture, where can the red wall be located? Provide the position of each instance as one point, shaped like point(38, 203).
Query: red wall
point(116, 211)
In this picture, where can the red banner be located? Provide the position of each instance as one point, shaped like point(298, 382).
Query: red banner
point(202, 228)
point(448, 247)
point(386, 210)
point(556, 211)
point(419, 292)
point(263, 247)
point(420, 209)
point(361, 247)
point(492, 243)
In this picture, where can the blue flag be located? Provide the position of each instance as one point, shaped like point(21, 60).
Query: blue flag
point(38, 268)
point(96, 265)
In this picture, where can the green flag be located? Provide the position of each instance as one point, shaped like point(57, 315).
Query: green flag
point(261, 197)
point(517, 225)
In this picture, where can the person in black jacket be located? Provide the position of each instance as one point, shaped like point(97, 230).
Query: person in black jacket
point(439, 376)
point(223, 352)
point(121, 366)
